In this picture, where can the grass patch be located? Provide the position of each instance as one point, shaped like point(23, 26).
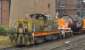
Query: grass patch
point(4, 40)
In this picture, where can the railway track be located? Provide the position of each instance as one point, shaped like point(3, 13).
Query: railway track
point(74, 44)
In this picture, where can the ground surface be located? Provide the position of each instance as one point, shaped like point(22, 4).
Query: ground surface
point(73, 43)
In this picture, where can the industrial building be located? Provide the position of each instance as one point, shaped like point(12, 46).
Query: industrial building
point(70, 7)
point(20, 8)
point(11, 9)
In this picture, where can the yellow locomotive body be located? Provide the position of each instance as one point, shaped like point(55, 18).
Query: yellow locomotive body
point(36, 23)
point(30, 31)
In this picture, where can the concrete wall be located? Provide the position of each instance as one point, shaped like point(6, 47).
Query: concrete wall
point(19, 8)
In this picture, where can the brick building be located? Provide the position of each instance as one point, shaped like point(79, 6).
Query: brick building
point(4, 12)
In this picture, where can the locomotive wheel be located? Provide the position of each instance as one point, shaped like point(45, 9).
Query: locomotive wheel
point(21, 39)
point(26, 42)
point(29, 41)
